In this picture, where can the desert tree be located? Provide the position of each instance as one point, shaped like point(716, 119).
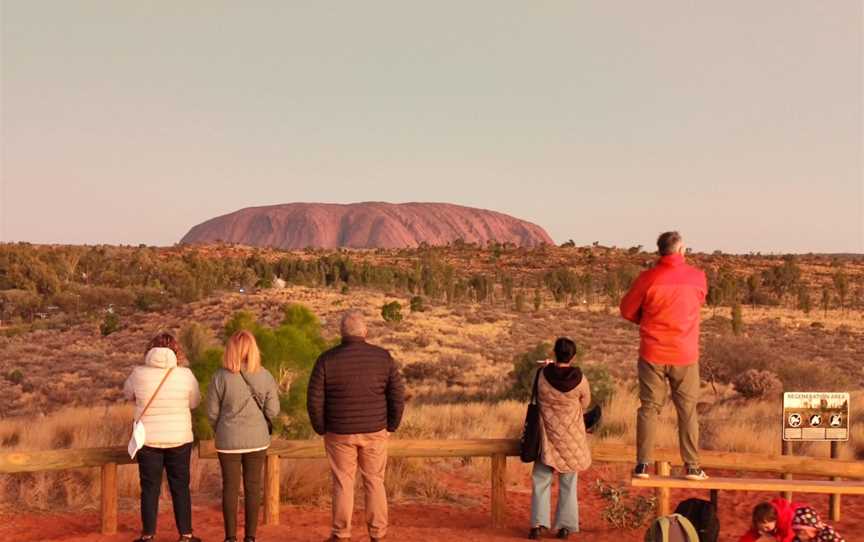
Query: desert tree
point(507, 287)
point(841, 286)
point(826, 299)
point(753, 285)
point(520, 301)
point(805, 303)
point(737, 319)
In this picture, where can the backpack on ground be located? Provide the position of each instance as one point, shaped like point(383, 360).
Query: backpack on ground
point(703, 515)
point(671, 528)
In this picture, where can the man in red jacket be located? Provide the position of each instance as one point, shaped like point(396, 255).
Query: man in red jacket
point(665, 301)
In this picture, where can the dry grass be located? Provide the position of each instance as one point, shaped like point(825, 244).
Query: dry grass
point(64, 370)
point(728, 424)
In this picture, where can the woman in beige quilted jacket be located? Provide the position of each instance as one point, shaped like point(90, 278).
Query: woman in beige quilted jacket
point(563, 395)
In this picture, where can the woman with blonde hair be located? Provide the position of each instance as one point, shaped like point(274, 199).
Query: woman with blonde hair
point(241, 402)
point(164, 394)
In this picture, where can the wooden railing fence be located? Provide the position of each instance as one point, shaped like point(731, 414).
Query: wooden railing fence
point(107, 459)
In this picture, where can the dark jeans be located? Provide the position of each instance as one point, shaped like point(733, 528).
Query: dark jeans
point(252, 464)
point(175, 461)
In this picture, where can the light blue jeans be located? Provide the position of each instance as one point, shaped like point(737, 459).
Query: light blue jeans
point(567, 514)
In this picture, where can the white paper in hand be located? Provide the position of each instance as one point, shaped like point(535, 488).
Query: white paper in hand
point(138, 438)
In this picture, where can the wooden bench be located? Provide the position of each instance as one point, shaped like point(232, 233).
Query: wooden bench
point(664, 483)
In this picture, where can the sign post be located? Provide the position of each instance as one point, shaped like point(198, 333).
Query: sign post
point(817, 417)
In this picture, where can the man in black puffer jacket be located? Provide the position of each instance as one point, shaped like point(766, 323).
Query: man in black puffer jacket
point(355, 399)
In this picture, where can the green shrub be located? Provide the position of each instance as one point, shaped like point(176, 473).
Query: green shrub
point(150, 299)
point(392, 312)
point(15, 376)
point(110, 324)
point(524, 367)
point(601, 382)
point(417, 304)
point(204, 366)
point(289, 352)
point(195, 339)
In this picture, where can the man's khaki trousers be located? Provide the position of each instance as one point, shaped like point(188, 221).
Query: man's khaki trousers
point(345, 453)
point(684, 384)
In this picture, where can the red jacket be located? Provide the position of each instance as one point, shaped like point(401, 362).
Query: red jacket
point(783, 532)
point(665, 302)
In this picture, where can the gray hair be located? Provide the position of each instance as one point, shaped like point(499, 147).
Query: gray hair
point(669, 243)
point(353, 324)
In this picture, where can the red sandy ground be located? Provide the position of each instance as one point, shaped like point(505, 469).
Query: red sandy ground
point(413, 522)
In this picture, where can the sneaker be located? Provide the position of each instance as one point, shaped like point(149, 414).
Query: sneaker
point(188, 538)
point(641, 471)
point(694, 472)
point(535, 532)
point(563, 533)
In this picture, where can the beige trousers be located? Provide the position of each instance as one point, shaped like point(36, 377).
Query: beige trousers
point(684, 384)
point(345, 453)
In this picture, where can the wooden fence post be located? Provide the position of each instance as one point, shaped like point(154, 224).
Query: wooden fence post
point(834, 500)
point(108, 506)
point(499, 490)
point(787, 450)
point(271, 490)
point(664, 468)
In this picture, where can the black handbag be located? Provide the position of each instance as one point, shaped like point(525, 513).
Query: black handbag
point(258, 402)
point(529, 442)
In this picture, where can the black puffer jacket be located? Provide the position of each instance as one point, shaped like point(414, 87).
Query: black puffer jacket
point(355, 388)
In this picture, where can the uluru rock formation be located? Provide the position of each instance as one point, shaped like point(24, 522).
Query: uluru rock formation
point(365, 225)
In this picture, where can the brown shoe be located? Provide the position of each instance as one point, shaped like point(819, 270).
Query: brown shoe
point(373, 539)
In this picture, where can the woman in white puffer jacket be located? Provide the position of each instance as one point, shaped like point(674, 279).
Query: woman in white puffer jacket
point(168, 429)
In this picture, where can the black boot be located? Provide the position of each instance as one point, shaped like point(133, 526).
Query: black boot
point(535, 532)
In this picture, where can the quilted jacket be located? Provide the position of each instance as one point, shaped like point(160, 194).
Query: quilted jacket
point(563, 440)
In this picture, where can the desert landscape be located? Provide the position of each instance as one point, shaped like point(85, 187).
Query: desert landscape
point(469, 323)
point(476, 185)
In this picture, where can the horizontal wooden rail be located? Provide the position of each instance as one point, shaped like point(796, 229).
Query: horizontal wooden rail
point(498, 450)
point(777, 464)
point(601, 453)
point(62, 459)
point(752, 484)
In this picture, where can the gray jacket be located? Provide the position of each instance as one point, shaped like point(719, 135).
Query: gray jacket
point(234, 416)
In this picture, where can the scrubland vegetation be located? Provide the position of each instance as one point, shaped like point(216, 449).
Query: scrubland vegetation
point(471, 325)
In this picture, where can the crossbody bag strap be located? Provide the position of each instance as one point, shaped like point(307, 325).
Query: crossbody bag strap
point(150, 402)
point(534, 388)
point(254, 396)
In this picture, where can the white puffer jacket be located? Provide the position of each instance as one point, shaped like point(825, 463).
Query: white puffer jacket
point(168, 421)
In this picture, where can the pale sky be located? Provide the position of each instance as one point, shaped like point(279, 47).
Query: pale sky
point(737, 122)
